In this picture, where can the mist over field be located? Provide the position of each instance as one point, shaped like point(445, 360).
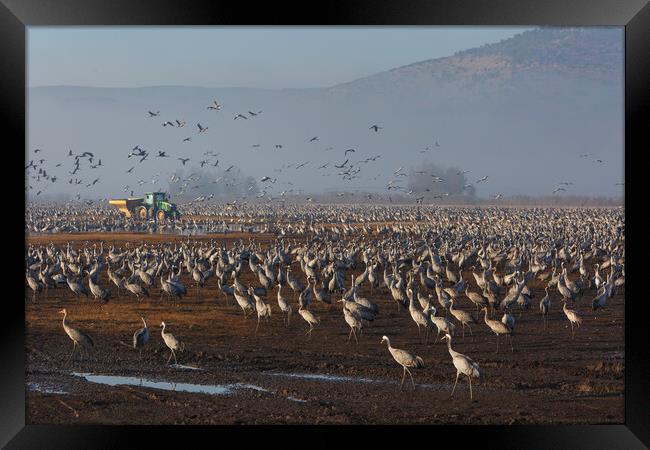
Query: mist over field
point(520, 112)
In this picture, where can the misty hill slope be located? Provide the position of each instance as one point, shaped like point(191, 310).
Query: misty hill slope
point(520, 111)
point(579, 53)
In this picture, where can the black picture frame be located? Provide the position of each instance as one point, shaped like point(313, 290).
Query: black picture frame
point(16, 15)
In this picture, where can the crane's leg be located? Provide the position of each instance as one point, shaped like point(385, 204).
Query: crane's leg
point(497, 343)
point(571, 329)
point(412, 382)
point(258, 325)
point(452, 391)
point(403, 376)
point(288, 315)
point(350, 335)
point(470, 388)
point(170, 356)
point(512, 349)
point(463, 332)
point(74, 347)
point(355, 336)
point(174, 353)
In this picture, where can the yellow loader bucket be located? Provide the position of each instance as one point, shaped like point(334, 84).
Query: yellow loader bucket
point(126, 205)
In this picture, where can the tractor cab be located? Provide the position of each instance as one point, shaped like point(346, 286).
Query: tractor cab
point(154, 198)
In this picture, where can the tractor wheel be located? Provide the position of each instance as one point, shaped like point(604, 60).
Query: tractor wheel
point(161, 216)
point(141, 212)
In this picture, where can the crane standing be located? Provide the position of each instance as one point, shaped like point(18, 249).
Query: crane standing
point(405, 359)
point(141, 337)
point(171, 342)
point(78, 337)
point(463, 364)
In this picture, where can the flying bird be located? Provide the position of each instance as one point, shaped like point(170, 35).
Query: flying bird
point(168, 123)
point(342, 165)
point(348, 150)
point(187, 139)
point(201, 129)
point(240, 115)
point(162, 154)
point(130, 170)
point(152, 114)
point(559, 189)
point(482, 179)
point(183, 160)
point(376, 128)
point(216, 106)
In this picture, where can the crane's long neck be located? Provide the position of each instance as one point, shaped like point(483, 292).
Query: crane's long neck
point(143, 321)
point(451, 352)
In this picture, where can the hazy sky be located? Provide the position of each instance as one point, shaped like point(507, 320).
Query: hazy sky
point(262, 57)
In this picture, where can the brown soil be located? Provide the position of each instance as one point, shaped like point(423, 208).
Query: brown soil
point(549, 378)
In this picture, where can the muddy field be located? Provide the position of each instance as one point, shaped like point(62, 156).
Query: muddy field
point(227, 375)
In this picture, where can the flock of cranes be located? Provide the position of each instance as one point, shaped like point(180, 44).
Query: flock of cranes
point(420, 266)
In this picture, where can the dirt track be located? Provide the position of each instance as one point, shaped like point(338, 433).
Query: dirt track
point(549, 378)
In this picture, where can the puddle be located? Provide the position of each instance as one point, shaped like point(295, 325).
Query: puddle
point(214, 389)
point(181, 366)
point(44, 389)
point(341, 378)
point(323, 377)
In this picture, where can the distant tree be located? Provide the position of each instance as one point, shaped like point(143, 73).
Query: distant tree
point(453, 181)
point(197, 182)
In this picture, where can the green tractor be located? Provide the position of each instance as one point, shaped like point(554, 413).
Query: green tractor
point(154, 205)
